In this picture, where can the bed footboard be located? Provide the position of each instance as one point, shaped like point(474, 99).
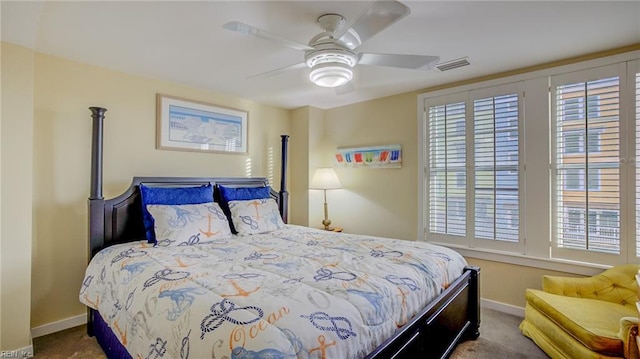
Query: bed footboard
point(454, 316)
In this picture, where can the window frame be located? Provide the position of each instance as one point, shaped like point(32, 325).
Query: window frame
point(632, 199)
point(468, 98)
point(479, 94)
point(456, 98)
point(564, 252)
point(537, 186)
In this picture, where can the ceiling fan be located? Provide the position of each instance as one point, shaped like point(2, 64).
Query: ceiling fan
point(332, 54)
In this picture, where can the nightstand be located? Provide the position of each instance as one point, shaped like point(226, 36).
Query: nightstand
point(334, 229)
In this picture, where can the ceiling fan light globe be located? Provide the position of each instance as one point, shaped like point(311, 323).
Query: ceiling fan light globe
point(330, 74)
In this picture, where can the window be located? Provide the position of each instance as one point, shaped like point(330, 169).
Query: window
point(447, 169)
point(496, 166)
point(602, 226)
point(593, 141)
point(553, 176)
point(482, 197)
point(574, 179)
point(574, 109)
point(574, 141)
point(579, 168)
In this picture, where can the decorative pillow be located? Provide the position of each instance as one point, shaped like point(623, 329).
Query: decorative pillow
point(243, 193)
point(255, 216)
point(188, 224)
point(228, 194)
point(170, 195)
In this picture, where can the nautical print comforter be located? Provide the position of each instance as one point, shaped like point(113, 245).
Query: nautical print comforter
point(292, 293)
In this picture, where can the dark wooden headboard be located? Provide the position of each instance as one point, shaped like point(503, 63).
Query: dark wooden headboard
point(119, 219)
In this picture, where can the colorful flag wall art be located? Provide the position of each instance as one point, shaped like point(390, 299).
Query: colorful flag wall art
point(389, 156)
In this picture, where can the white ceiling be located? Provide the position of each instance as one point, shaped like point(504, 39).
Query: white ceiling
point(184, 42)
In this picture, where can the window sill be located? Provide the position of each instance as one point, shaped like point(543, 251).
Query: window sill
point(560, 265)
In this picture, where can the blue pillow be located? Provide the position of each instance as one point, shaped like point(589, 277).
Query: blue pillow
point(170, 195)
point(244, 193)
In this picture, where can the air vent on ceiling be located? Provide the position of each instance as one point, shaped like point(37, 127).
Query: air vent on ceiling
point(453, 64)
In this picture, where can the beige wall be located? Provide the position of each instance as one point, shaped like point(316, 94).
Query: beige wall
point(16, 166)
point(381, 202)
point(310, 146)
point(299, 165)
point(320, 155)
point(506, 283)
point(63, 92)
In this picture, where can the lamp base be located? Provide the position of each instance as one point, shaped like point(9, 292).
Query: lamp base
point(326, 223)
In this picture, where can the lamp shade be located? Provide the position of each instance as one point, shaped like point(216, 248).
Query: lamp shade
point(324, 178)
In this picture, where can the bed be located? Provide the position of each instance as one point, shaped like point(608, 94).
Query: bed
point(282, 292)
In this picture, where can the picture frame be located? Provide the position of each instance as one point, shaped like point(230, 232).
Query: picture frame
point(186, 125)
point(387, 156)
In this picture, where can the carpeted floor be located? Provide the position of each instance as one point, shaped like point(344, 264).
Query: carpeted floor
point(499, 338)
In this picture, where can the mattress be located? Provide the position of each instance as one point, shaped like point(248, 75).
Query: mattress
point(291, 293)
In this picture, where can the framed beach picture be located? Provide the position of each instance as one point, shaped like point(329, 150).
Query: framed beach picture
point(196, 126)
point(389, 156)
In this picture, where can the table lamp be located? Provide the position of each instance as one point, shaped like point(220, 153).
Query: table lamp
point(325, 178)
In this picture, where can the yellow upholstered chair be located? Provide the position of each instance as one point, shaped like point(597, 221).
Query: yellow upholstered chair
point(593, 317)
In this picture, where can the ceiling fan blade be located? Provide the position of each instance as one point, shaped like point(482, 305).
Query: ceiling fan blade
point(415, 62)
point(346, 88)
point(263, 34)
point(378, 17)
point(300, 65)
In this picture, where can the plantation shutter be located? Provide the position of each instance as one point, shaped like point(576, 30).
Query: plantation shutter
point(496, 164)
point(587, 177)
point(447, 169)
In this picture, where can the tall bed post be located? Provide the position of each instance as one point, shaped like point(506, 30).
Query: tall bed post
point(283, 199)
point(96, 200)
point(97, 115)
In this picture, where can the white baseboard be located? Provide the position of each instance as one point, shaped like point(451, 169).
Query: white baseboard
point(502, 307)
point(26, 352)
point(58, 326)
